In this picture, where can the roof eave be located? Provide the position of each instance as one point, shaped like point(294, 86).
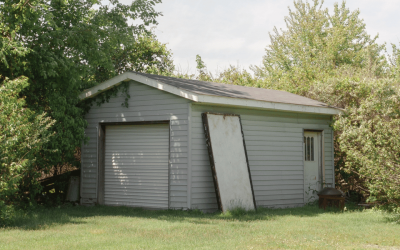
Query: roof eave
point(268, 105)
point(204, 98)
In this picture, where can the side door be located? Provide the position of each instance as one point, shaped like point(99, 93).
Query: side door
point(312, 165)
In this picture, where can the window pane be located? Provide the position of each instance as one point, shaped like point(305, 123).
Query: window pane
point(312, 148)
point(305, 149)
point(308, 148)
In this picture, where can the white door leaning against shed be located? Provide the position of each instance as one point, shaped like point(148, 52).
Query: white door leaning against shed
point(312, 159)
point(136, 165)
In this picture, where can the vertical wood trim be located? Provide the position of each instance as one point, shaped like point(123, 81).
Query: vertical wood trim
point(211, 157)
point(189, 165)
point(98, 161)
point(169, 164)
point(323, 158)
point(100, 165)
point(81, 175)
point(333, 159)
point(303, 157)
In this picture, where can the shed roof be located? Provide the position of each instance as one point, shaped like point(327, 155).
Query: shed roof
point(218, 93)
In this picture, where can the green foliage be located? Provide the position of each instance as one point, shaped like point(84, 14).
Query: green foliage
point(315, 44)
point(203, 74)
point(146, 55)
point(23, 132)
point(394, 61)
point(371, 138)
point(23, 135)
point(65, 47)
point(367, 133)
point(232, 75)
point(237, 76)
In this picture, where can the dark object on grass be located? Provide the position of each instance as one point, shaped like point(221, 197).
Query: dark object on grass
point(331, 197)
point(73, 189)
point(330, 191)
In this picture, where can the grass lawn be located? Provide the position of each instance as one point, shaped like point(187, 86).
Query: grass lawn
point(103, 227)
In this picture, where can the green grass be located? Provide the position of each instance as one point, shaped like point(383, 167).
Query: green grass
point(103, 227)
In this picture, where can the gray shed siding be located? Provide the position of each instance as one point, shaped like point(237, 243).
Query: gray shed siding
point(274, 142)
point(145, 104)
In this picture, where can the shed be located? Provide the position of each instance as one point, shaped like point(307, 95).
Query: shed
point(153, 154)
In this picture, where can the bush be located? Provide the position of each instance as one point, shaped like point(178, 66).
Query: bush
point(23, 134)
point(367, 133)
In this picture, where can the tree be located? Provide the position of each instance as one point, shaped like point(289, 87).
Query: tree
point(70, 46)
point(23, 135)
point(394, 61)
point(23, 131)
point(367, 134)
point(315, 44)
point(232, 75)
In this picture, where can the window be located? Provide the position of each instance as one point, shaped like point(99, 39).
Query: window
point(309, 148)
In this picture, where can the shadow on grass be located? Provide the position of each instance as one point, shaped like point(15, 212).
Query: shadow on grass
point(42, 218)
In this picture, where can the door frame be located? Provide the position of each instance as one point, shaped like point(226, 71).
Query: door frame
point(101, 154)
point(321, 163)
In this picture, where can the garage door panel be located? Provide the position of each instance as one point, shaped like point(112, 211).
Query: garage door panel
point(134, 176)
point(119, 202)
point(136, 165)
point(114, 185)
point(118, 161)
point(138, 153)
point(145, 138)
point(125, 179)
point(142, 164)
point(138, 171)
point(127, 194)
point(145, 157)
point(137, 203)
point(139, 189)
point(143, 141)
point(141, 148)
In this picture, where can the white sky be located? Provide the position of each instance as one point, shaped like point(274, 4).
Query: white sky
point(235, 32)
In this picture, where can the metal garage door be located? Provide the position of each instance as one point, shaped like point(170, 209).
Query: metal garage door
point(136, 165)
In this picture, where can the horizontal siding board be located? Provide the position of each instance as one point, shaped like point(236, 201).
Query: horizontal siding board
point(292, 196)
point(177, 199)
point(150, 102)
point(137, 107)
point(273, 158)
point(179, 194)
point(178, 205)
point(278, 192)
point(274, 203)
point(204, 195)
point(177, 188)
point(278, 187)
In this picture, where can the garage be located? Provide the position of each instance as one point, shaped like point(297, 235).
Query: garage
point(136, 165)
point(153, 152)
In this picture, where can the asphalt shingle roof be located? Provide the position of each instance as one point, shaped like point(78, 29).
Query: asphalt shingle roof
point(235, 91)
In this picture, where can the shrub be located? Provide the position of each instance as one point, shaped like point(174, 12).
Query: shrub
point(23, 134)
point(368, 131)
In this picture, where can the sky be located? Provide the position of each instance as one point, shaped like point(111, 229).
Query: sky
point(225, 32)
